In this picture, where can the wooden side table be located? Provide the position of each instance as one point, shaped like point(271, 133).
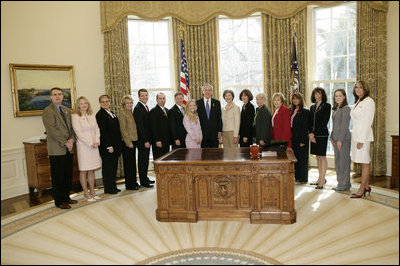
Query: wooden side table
point(394, 179)
point(38, 167)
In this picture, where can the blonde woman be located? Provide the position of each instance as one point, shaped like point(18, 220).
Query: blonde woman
point(129, 135)
point(191, 123)
point(88, 140)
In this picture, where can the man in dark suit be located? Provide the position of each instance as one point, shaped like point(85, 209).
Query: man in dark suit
point(110, 144)
point(209, 111)
point(159, 127)
point(60, 141)
point(141, 115)
point(175, 119)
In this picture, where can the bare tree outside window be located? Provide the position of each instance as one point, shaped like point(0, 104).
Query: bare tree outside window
point(335, 52)
point(150, 59)
point(240, 56)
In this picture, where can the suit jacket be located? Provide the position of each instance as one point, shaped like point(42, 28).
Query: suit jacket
point(246, 121)
point(58, 133)
point(110, 134)
point(340, 124)
point(363, 117)
point(127, 127)
point(281, 129)
point(159, 125)
point(319, 119)
point(263, 125)
point(300, 126)
point(210, 127)
point(177, 130)
point(142, 123)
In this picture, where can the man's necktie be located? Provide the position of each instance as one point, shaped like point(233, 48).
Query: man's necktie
point(208, 110)
point(63, 116)
point(147, 108)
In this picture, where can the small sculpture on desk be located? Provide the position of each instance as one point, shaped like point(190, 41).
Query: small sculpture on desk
point(254, 152)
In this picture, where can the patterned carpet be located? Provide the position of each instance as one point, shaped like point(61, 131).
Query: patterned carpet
point(331, 228)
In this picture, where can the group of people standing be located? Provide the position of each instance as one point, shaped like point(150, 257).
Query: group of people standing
point(102, 137)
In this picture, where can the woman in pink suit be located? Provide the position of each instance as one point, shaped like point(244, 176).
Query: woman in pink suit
point(88, 140)
point(280, 121)
point(191, 123)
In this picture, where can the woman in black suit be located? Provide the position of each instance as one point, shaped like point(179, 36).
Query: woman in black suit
point(262, 121)
point(246, 119)
point(300, 119)
point(320, 112)
point(110, 144)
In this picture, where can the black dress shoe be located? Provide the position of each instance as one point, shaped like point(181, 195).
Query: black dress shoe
point(147, 185)
point(135, 187)
point(151, 181)
point(71, 201)
point(118, 190)
point(63, 206)
point(111, 192)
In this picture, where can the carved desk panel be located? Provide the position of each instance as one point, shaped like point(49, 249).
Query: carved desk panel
point(221, 184)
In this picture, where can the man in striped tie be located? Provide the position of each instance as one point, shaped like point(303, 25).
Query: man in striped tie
point(209, 111)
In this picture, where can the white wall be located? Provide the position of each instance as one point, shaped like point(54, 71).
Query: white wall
point(47, 33)
point(392, 109)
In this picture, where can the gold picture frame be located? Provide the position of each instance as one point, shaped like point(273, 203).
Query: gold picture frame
point(31, 85)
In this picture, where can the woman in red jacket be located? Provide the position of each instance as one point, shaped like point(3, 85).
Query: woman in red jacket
point(280, 121)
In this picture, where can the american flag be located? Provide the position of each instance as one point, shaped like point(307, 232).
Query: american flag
point(184, 84)
point(294, 69)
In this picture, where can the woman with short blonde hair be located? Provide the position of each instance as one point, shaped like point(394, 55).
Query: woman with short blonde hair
point(129, 135)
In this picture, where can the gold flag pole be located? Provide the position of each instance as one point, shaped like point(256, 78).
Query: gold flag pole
point(181, 30)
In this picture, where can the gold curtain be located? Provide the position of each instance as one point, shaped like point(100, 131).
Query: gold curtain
point(199, 12)
point(201, 49)
point(277, 53)
point(116, 68)
point(371, 68)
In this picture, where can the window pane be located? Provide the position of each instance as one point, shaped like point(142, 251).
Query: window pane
point(339, 43)
point(352, 67)
point(149, 49)
point(352, 42)
point(339, 68)
point(240, 55)
point(323, 68)
point(339, 18)
point(349, 92)
point(323, 45)
point(323, 20)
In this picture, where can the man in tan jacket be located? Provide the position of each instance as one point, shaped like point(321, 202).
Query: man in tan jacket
point(60, 141)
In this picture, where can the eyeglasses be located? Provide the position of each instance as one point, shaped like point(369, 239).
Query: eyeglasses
point(105, 101)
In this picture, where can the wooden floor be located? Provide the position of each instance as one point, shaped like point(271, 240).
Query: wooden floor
point(24, 202)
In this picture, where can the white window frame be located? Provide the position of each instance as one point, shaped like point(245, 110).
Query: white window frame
point(310, 77)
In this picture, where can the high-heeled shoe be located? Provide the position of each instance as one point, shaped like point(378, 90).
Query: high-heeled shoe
point(356, 196)
point(368, 190)
point(89, 197)
point(316, 183)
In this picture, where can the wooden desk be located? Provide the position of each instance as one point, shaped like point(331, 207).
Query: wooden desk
point(218, 184)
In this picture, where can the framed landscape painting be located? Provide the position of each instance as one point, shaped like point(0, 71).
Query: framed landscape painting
point(31, 85)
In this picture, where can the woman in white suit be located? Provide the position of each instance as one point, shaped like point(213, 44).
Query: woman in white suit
point(363, 116)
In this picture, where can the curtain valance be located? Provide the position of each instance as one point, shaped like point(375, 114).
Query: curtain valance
point(199, 12)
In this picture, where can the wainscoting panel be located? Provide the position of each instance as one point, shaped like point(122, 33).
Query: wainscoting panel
point(14, 181)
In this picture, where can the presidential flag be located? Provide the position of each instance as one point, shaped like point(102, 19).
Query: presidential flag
point(184, 84)
point(294, 72)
